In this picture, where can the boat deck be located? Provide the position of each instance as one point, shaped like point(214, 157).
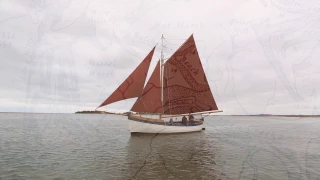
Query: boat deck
point(162, 122)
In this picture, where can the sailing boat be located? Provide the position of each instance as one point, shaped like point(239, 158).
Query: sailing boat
point(176, 88)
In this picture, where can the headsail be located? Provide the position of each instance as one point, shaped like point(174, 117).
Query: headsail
point(186, 89)
point(150, 99)
point(133, 85)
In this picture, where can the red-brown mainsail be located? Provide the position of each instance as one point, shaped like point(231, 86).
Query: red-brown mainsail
point(186, 89)
point(177, 87)
point(150, 99)
point(133, 85)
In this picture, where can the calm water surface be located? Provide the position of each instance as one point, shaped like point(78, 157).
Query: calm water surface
point(80, 146)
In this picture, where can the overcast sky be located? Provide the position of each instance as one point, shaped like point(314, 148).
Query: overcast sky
point(260, 56)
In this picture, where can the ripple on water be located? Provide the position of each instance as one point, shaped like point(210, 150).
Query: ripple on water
point(69, 146)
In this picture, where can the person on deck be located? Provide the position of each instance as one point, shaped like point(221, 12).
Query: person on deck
point(191, 118)
point(184, 120)
point(171, 121)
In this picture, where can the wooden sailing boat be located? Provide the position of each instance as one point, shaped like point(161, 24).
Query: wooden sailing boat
point(176, 88)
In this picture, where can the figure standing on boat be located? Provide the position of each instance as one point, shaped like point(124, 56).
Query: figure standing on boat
point(184, 120)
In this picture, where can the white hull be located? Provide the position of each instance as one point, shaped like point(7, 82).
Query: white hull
point(141, 127)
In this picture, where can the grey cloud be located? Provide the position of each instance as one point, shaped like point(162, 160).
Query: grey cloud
point(61, 56)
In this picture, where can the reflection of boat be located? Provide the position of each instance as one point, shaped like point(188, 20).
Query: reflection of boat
point(177, 87)
point(152, 156)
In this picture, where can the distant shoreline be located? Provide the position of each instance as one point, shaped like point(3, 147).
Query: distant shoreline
point(99, 112)
point(124, 114)
point(92, 112)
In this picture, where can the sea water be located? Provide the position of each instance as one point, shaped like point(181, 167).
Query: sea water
point(99, 146)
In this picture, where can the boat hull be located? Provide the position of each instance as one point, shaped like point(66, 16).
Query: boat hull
point(138, 126)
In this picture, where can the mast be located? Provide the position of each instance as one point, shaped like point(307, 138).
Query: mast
point(183, 87)
point(187, 90)
point(161, 75)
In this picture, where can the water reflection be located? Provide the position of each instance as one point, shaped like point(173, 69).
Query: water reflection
point(171, 156)
point(55, 146)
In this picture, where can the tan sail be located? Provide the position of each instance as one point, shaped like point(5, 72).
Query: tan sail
point(150, 99)
point(186, 89)
point(133, 85)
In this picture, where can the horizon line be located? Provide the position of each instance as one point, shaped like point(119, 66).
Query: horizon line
point(206, 115)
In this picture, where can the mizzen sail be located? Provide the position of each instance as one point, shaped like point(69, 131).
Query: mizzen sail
point(133, 85)
point(150, 99)
point(186, 89)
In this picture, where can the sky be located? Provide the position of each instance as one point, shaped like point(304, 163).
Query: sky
point(60, 56)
